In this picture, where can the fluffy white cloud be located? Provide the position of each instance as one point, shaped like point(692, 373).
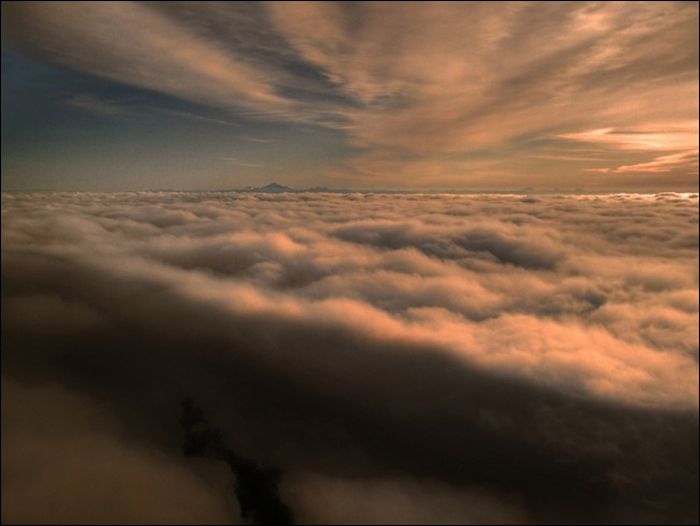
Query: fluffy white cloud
point(535, 330)
point(550, 290)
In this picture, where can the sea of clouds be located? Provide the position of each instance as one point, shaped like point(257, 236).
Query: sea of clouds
point(400, 357)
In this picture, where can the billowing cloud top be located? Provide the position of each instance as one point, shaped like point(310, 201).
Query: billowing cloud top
point(402, 357)
point(461, 94)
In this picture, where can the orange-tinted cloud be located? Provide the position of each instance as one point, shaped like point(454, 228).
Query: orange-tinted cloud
point(467, 348)
point(422, 90)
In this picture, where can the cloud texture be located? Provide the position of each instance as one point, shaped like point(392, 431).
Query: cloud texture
point(446, 94)
point(400, 357)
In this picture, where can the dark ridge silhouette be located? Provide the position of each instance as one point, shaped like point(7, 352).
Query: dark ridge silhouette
point(256, 486)
point(275, 187)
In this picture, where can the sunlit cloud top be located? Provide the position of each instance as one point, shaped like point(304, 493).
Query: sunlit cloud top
point(460, 94)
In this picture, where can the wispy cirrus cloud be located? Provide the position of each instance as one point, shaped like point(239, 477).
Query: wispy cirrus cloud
point(665, 163)
point(460, 77)
point(240, 162)
point(681, 136)
point(132, 43)
point(444, 84)
point(680, 139)
point(98, 106)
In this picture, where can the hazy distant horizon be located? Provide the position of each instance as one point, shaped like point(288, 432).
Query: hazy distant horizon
point(456, 191)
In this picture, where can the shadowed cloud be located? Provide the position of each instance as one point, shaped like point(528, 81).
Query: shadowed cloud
point(382, 346)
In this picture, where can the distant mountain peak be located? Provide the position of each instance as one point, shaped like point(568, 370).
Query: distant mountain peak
point(274, 187)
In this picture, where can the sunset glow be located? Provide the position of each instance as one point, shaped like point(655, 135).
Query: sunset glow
point(350, 262)
point(362, 95)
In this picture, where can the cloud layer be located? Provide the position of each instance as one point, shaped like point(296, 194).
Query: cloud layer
point(505, 357)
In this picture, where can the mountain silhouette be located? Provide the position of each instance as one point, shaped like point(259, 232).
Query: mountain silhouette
point(274, 187)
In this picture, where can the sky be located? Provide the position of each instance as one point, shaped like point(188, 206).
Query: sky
point(594, 96)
